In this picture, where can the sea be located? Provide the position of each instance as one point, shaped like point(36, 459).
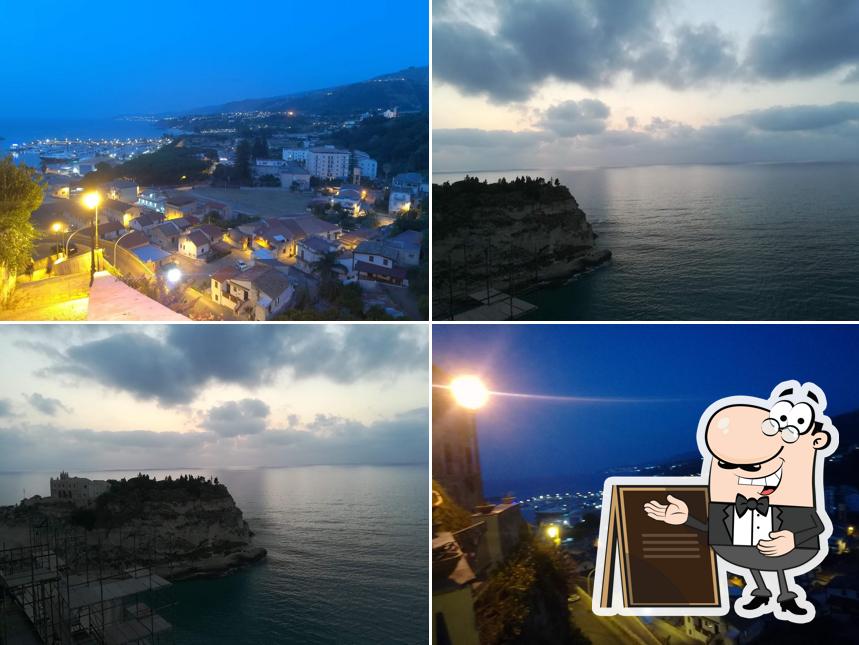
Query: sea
point(347, 557)
point(711, 242)
point(24, 130)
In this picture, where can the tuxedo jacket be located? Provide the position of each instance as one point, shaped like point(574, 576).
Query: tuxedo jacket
point(802, 521)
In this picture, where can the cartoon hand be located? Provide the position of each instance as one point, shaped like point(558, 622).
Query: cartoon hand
point(675, 512)
point(782, 542)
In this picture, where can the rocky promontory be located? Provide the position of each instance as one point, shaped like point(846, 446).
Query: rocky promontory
point(511, 236)
point(183, 528)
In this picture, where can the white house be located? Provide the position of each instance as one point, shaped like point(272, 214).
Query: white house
point(297, 155)
point(195, 244)
point(78, 490)
point(368, 166)
point(154, 199)
point(257, 293)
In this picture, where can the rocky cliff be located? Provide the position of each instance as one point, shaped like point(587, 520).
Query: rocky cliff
point(511, 236)
point(182, 528)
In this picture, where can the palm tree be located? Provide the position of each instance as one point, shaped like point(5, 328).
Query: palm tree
point(325, 264)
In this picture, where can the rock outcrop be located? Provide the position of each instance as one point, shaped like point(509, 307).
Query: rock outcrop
point(182, 528)
point(511, 236)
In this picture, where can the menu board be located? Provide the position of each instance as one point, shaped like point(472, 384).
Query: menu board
point(661, 565)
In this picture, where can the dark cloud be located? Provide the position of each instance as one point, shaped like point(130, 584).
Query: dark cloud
point(806, 38)
point(478, 62)
point(46, 404)
point(801, 117)
point(6, 408)
point(589, 42)
point(173, 366)
point(701, 54)
point(234, 418)
point(572, 118)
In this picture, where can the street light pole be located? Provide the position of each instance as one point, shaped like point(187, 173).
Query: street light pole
point(92, 200)
point(94, 245)
point(116, 244)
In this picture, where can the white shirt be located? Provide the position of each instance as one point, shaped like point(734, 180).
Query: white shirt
point(752, 527)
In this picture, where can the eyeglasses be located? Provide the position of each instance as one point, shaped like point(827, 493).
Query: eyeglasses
point(770, 427)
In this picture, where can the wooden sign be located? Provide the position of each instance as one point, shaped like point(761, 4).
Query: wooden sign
point(660, 565)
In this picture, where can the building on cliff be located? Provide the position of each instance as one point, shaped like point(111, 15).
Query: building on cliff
point(79, 490)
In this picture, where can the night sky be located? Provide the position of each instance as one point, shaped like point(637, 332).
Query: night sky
point(95, 59)
point(665, 376)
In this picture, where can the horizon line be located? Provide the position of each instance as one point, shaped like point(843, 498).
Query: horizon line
point(651, 165)
point(143, 470)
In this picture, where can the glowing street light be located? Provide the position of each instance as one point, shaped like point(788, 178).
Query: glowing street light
point(56, 228)
point(469, 392)
point(91, 200)
point(174, 275)
point(552, 532)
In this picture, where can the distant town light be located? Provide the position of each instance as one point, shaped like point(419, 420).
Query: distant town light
point(174, 275)
point(92, 199)
point(469, 392)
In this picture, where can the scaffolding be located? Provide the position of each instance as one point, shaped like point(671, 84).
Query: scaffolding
point(70, 587)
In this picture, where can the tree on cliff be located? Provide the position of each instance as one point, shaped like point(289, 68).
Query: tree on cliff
point(20, 194)
point(243, 159)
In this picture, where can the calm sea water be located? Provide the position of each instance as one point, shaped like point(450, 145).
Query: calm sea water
point(738, 242)
point(346, 557)
point(24, 130)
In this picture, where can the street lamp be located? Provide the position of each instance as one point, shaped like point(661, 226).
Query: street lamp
point(116, 244)
point(91, 200)
point(469, 392)
point(56, 229)
point(174, 275)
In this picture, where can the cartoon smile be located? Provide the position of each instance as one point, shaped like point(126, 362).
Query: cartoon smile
point(769, 482)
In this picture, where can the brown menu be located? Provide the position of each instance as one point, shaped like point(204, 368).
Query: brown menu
point(661, 565)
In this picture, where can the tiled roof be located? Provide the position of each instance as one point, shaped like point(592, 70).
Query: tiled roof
point(272, 283)
point(133, 240)
point(375, 269)
point(197, 237)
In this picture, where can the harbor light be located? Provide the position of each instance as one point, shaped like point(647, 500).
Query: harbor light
point(174, 275)
point(469, 392)
point(92, 199)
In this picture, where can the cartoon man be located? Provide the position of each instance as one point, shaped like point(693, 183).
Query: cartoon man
point(764, 460)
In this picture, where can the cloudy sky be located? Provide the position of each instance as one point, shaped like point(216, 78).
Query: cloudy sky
point(87, 397)
point(579, 83)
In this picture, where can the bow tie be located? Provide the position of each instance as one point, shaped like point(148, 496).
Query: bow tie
point(760, 505)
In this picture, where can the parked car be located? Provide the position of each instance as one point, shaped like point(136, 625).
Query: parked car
point(241, 265)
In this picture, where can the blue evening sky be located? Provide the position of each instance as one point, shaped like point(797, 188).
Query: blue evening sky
point(99, 58)
point(672, 371)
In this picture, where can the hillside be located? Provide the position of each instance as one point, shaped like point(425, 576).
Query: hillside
point(399, 145)
point(407, 89)
point(184, 528)
point(509, 235)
